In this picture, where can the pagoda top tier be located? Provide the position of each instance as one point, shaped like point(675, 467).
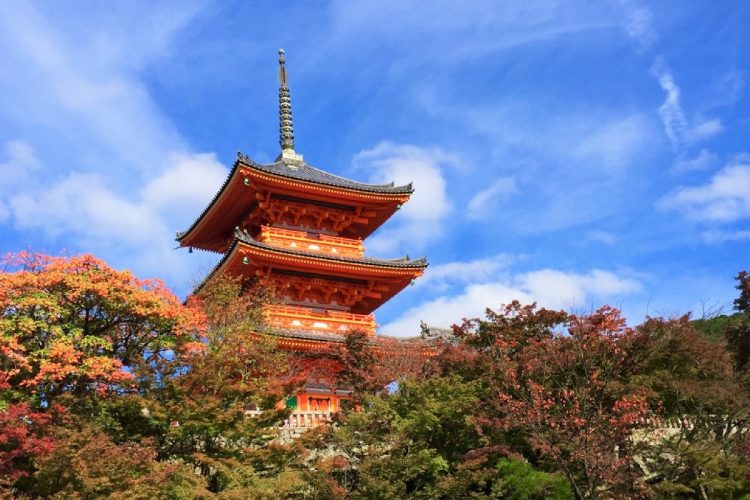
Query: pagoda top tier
point(291, 193)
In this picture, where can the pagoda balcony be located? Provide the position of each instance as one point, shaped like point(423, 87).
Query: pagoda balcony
point(305, 318)
point(299, 421)
point(301, 240)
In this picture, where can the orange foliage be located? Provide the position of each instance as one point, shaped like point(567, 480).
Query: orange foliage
point(76, 325)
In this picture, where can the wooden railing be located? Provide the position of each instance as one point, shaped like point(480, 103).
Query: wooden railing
point(307, 419)
point(299, 421)
point(304, 318)
point(300, 240)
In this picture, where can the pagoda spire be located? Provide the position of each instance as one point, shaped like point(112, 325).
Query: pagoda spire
point(286, 125)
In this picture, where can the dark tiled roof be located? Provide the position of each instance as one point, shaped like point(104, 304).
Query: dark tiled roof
point(403, 262)
point(300, 170)
point(244, 237)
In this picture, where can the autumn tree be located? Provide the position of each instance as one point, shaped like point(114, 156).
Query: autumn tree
point(370, 365)
point(238, 368)
point(737, 331)
point(559, 389)
point(73, 334)
point(23, 437)
point(75, 325)
point(422, 441)
point(149, 388)
point(698, 448)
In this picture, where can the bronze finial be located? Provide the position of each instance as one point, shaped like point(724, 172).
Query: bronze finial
point(286, 126)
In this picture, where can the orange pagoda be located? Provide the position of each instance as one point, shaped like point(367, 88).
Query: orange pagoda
point(301, 230)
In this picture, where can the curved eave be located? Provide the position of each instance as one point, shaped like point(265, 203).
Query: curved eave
point(385, 195)
point(403, 269)
point(403, 263)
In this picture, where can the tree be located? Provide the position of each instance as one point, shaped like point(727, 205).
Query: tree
point(370, 365)
point(696, 450)
point(75, 333)
point(563, 395)
point(737, 332)
point(205, 402)
point(75, 325)
point(23, 437)
point(151, 388)
point(87, 463)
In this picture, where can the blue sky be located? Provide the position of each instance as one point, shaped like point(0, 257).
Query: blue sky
point(573, 153)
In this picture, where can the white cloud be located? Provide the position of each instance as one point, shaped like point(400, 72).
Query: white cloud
point(87, 208)
point(675, 123)
point(718, 236)
point(613, 142)
point(604, 237)
point(420, 221)
point(109, 173)
point(20, 161)
point(82, 204)
point(679, 129)
point(638, 22)
point(705, 129)
point(84, 81)
point(703, 161)
point(486, 202)
point(725, 198)
point(441, 277)
point(550, 288)
point(184, 187)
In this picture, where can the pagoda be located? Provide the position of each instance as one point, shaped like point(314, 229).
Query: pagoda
point(300, 231)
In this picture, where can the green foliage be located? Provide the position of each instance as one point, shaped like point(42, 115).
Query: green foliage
point(520, 481)
point(715, 328)
point(414, 443)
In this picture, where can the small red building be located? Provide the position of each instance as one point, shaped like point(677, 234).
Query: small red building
point(301, 230)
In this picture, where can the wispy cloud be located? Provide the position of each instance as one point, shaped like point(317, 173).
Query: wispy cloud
point(17, 166)
point(486, 202)
point(604, 237)
point(720, 236)
point(680, 130)
point(87, 83)
point(638, 22)
point(702, 161)
point(101, 167)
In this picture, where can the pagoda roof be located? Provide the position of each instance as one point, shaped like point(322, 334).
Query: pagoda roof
point(402, 268)
point(401, 262)
point(232, 202)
